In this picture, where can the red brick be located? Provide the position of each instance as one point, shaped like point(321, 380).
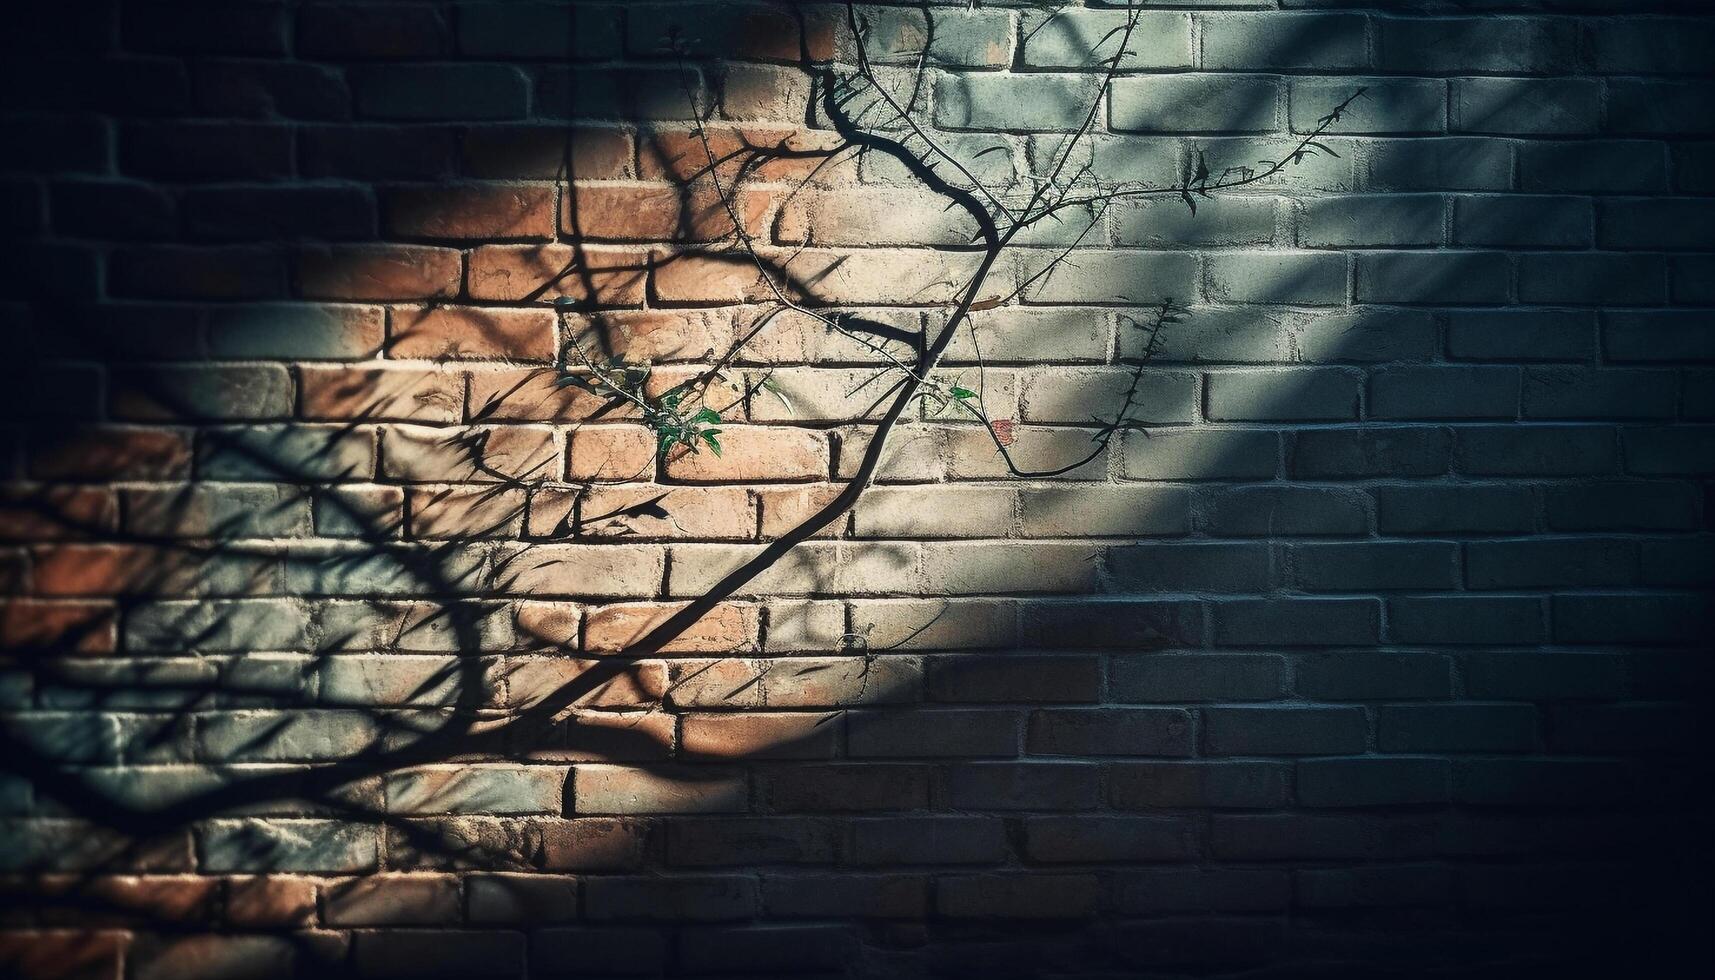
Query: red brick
point(755, 453)
point(626, 789)
point(785, 509)
point(473, 454)
point(592, 844)
point(485, 212)
point(465, 512)
point(535, 395)
point(454, 332)
point(680, 155)
point(270, 901)
point(551, 272)
point(391, 900)
point(585, 683)
point(647, 511)
point(729, 627)
point(379, 272)
point(652, 336)
point(52, 513)
point(62, 954)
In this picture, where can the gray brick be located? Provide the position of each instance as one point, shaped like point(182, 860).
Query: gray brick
point(1014, 103)
point(1632, 506)
point(1168, 223)
point(1220, 785)
point(1575, 393)
point(1670, 451)
point(1369, 888)
point(974, 38)
point(1460, 45)
point(1632, 619)
point(1372, 782)
point(1200, 454)
point(1110, 731)
point(1650, 106)
point(1550, 562)
point(1587, 166)
point(1521, 335)
point(1367, 566)
point(930, 840)
point(1457, 728)
point(1164, 677)
point(1090, 511)
point(1307, 278)
point(1466, 620)
point(1311, 394)
point(1389, 106)
point(1144, 624)
point(1200, 567)
point(1450, 164)
point(1372, 220)
point(1544, 676)
point(1260, 41)
point(1284, 731)
point(1110, 838)
point(1523, 106)
point(1591, 278)
point(1194, 104)
point(440, 92)
point(1444, 393)
point(1546, 450)
point(1656, 223)
point(1368, 452)
point(324, 846)
point(1023, 786)
point(1371, 676)
point(1284, 510)
point(1138, 278)
point(1073, 38)
point(1165, 890)
point(1541, 221)
point(1658, 335)
point(1446, 278)
point(1297, 622)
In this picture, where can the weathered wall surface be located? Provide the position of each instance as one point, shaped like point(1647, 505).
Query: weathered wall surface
point(1380, 640)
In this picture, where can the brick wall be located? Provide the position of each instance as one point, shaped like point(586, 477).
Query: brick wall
point(1376, 641)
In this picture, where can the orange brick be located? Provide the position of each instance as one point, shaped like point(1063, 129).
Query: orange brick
point(762, 735)
point(755, 453)
point(110, 453)
point(615, 453)
point(410, 394)
point(552, 624)
point(465, 512)
point(549, 272)
point(711, 513)
point(270, 901)
point(479, 211)
point(727, 628)
point(786, 508)
point(470, 455)
point(660, 213)
point(536, 395)
point(653, 336)
point(709, 279)
point(587, 683)
point(465, 332)
point(379, 272)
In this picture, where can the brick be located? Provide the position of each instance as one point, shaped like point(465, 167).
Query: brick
point(1386, 887)
point(1309, 394)
point(1085, 839)
point(1200, 454)
point(1167, 223)
point(379, 272)
point(1624, 166)
point(540, 152)
point(201, 151)
point(1080, 393)
point(772, 735)
point(1538, 221)
point(436, 332)
point(1668, 450)
point(1369, 452)
point(1118, 731)
point(1448, 278)
point(1276, 277)
point(1568, 392)
point(928, 840)
point(1251, 42)
point(1284, 510)
point(620, 789)
point(1327, 837)
point(659, 212)
point(1023, 786)
point(577, 274)
point(1633, 619)
point(866, 786)
point(756, 453)
point(743, 841)
point(1017, 896)
point(428, 92)
point(1013, 102)
point(96, 453)
point(324, 846)
point(1378, 566)
point(1013, 677)
point(1194, 104)
point(217, 393)
point(180, 272)
point(1197, 567)
point(1521, 335)
point(602, 947)
point(1470, 45)
point(726, 628)
point(1535, 107)
point(1296, 622)
point(1199, 677)
point(468, 455)
point(1117, 622)
point(485, 212)
point(1457, 728)
point(538, 30)
point(406, 394)
point(277, 213)
point(1622, 506)
point(624, 94)
point(956, 733)
point(1450, 164)
point(1089, 39)
point(518, 898)
point(157, 958)
point(1591, 278)
point(1166, 890)
point(1373, 676)
point(1659, 335)
point(1389, 106)
point(364, 32)
point(388, 900)
point(1647, 105)
point(1534, 451)
point(771, 947)
point(893, 896)
point(448, 952)
point(298, 332)
point(270, 901)
point(1485, 620)
point(1372, 220)
point(617, 571)
point(378, 152)
point(1371, 782)
point(1108, 277)
point(1284, 731)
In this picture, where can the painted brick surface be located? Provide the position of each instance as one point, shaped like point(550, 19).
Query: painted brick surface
point(1374, 640)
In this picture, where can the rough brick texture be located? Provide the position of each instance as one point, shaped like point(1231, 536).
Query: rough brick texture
point(1376, 645)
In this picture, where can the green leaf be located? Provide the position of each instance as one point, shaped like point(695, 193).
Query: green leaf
point(709, 437)
point(706, 415)
point(963, 392)
point(668, 438)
